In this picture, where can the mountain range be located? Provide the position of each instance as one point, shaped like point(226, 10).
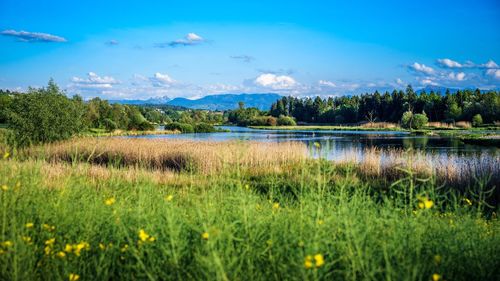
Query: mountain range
point(211, 102)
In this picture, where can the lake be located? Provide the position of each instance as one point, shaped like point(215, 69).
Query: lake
point(335, 144)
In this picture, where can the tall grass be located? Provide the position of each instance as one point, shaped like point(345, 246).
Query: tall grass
point(248, 219)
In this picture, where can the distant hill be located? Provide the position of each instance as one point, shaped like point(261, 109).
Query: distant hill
point(152, 101)
point(228, 101)
point(442, 90)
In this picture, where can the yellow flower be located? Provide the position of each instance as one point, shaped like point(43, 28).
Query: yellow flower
point(143, 236)
point(308, 262)
point(7, 243)
point(247, 187)
point(110, 201)
point(48, 227)
point(320, 222)
point(276, 206)
point(318, 258)
point(68, 248)
point(50, 242)
point(47, 250)
point(102, 246)
point(6, 155)
point(425, 203)
point(205, 235)
point(169, 198)
point(124, 248)
point(26, 239)
point(5, 187)
point(467, 200)
point(61, 254)
point(436, 277)
point(29, 225)
point(74, 277)
point(317, 144)
point(2, 252)
point(80, 246)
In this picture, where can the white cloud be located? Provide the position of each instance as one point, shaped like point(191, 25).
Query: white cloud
point(495, 73)
point(327, 83)
point(428, 81)
point(460, 76)
point(188, 40)
point(275, 82)
point(164, 79)
point(26, 36)
point(490, 64)
point(449, 63)
point(421, 68)
point(94, 81)
point(400, 82)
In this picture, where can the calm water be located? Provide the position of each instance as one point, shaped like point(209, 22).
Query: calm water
point(335, 143)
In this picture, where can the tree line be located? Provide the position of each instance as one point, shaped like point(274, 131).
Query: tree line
point(461, 105)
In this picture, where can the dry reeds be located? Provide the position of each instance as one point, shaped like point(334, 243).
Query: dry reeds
point(379, 125)
point(455, 170)
point(176, 155)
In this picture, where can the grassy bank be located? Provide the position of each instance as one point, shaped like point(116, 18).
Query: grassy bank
point(249, 211)
point(325, 127)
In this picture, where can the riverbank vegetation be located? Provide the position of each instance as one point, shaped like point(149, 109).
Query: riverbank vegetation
point(95, 209)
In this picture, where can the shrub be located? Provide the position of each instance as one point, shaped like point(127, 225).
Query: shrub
point(110, 125)
point(419, 121)
point(181, 127)
point(477, 120)
point(413, 121)
point(44, 115)
point(204, 128)
point(146, 126)
point(286, 121)
point(407, 119)
point(264, 121)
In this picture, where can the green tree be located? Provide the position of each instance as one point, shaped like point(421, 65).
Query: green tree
point(477, 120)
point(44, 115)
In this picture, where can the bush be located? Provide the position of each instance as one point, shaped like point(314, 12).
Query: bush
point(413, 121)
point(407, 119)
point(286, 121)
point(477, 120)
point(44, 115)
point(181, 127)
point(204, 128)
point(419, 121)
point(110, 125)
point(146, 126)
point(264, 121)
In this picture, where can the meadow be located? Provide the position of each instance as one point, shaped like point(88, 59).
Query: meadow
point(134, 209)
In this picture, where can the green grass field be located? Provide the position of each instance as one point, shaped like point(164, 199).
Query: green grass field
point(306, 220)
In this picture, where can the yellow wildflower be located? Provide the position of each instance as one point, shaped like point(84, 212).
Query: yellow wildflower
point(2, 252)
point(169, 198)
point(110, 201)
point(29, 225)
point(48, 227)
point(247, 187)
point(61, 254)
point(7, 243)
point(80, 246)
point(47, 250)
point(6, 155)
point(276, 206)
point(467, 200)
point(124, 248)
point(308, 262)
point(205, 235)
point(26, 239)
point(102, 246)
point(318, 258)
point(5, 187)
point(317, 144)
point(425, 203)
point(74, 277)
point(50, 242)
point(436, 277)
point(321, 222)
point(68, 248)
point(143, 236)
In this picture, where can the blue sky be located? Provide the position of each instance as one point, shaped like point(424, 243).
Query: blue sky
point(142, 49)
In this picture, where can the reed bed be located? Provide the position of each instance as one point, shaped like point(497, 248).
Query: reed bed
point(450, 169)
point(379, 125)
point(173, 155)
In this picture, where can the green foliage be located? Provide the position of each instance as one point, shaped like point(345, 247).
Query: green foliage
point(389, 107)
point(477, 120)
point(419, 121)
point(406, 120)
point(286, 121)
point(44, 115)
point(110, 125)
point(263, 121)
point(260, 226)
point(413, 121)
point(181, 127)
point(204, 128)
